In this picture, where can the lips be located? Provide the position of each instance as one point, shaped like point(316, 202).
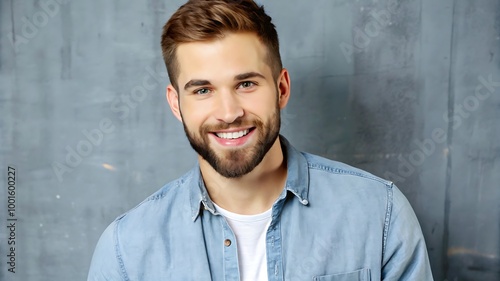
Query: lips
point(233, 134)
point(234, 137)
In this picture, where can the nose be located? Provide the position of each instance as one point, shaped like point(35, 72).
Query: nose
point(228, 107)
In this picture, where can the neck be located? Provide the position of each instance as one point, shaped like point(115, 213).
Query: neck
point(252, 193)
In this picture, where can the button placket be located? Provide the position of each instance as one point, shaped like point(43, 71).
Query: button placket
point(230, 252)
point(274, 258)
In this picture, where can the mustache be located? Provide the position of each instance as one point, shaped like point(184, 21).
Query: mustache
point(235, 124)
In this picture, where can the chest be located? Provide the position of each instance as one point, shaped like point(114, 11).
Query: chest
point(293, 246)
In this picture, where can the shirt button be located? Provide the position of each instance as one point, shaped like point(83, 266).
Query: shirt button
point(227, 242)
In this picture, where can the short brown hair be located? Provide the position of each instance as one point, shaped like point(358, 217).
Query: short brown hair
point(205, 20)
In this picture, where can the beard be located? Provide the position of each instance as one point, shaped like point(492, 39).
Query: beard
point(236, 163)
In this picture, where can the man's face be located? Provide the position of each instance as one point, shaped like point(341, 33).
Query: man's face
point(228, 102)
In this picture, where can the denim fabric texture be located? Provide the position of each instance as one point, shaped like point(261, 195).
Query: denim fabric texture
point(331, 222)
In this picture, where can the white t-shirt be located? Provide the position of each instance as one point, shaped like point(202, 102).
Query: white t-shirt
point(250, 231)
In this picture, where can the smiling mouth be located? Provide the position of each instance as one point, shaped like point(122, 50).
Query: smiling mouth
point(233, 135)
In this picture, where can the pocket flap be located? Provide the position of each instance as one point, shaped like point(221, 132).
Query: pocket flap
point(358, 275)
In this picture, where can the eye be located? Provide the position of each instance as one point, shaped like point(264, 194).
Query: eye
point(246, 84)
point(202, 91)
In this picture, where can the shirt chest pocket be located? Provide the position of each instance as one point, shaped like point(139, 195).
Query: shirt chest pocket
point(358, 275)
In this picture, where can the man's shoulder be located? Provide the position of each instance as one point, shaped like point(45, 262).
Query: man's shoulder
point(144, 226)
point(344, 188)
point(335, 170)
point(167, 200)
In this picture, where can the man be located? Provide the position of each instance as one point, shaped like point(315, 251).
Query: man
point(254, 208)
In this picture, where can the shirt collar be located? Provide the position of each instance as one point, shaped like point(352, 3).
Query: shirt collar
point(297, 181)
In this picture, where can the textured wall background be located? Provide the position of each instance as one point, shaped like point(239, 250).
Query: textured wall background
point(408, 90)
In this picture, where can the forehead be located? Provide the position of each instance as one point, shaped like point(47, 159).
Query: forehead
point(218, 59)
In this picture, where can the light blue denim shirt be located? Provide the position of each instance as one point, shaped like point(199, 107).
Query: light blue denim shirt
point(332, 222)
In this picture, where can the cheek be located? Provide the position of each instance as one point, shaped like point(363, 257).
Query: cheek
point(263, 105)
point(194, 114)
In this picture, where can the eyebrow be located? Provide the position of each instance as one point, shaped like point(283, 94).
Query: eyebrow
point(248, 75)
point(196, 82)
point(243, 76)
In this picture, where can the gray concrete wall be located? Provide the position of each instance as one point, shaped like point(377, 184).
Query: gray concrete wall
point(400, 88)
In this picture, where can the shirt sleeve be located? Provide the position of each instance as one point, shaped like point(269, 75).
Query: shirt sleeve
point(405, 254)
point(105, 263)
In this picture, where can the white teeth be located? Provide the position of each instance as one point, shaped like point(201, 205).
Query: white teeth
point(232, 135)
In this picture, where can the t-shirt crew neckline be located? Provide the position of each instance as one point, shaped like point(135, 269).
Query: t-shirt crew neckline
point(244, 218)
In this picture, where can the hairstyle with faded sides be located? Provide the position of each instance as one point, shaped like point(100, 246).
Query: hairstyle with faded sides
point(206, 20)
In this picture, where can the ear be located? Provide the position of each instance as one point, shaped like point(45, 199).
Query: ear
point(173, 101)
point(283, 88)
